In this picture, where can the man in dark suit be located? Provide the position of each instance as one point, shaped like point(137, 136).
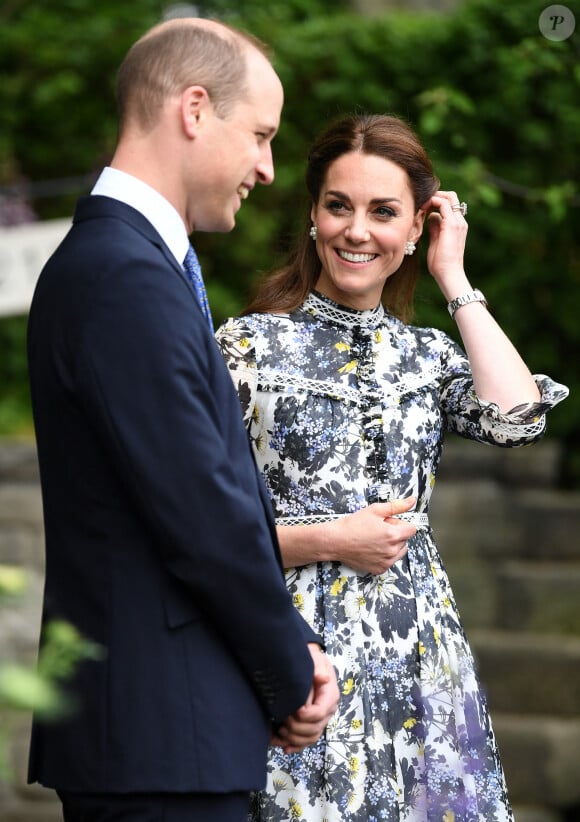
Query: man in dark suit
point(160, 544)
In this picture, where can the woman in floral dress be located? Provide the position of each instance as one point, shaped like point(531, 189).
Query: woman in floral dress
point(346, 405)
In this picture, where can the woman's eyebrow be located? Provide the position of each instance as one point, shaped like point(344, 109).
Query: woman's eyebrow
point(375, 201)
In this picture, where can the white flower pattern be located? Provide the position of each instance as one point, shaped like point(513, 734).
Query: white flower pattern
point(346, 408)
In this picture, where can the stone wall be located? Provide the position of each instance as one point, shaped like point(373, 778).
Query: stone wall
point(22, 544)
point(510, 541)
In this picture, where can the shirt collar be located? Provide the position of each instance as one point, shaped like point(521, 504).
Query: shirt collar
point(150, 203)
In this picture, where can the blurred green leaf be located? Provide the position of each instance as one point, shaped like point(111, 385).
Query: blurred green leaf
point(62, 649)
point(25, 689)
point(12, 580)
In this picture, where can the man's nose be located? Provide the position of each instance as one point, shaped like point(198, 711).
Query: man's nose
point(265, 167)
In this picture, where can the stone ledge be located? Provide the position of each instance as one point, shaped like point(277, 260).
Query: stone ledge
point(537, 466)
point(20, 622)
point(22, 546)
point(18, 461)
point(541, 597)
point(21, 504)
point(523, 813)
point(540, 756)
point(31, 812)
point(529, 673)
point(550, 522)
point(474, 519)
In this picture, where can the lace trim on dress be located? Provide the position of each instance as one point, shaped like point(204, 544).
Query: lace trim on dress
point(418, 519)
point(323, 307)
point(278, 381)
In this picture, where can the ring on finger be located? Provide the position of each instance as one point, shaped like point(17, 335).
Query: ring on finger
point(462, 207)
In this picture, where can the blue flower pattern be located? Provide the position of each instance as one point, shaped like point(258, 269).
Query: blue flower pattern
point(345, 408)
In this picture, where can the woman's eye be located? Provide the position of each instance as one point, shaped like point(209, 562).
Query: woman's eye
point(335, 205)
point(384, 211)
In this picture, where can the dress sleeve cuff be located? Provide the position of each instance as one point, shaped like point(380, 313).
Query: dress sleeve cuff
point(551, 393)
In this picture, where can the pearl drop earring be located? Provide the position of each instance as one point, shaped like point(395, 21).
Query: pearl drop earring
point(313, 232)
point(410, 247)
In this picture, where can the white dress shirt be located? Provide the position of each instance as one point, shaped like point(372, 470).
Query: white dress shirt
point(147, 201)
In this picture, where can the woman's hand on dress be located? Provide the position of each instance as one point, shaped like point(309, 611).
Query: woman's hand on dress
point(372, 539)
point(448, 233)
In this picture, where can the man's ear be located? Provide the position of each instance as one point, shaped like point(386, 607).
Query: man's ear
point(195, 105)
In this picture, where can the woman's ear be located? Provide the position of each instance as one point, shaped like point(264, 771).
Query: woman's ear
point(194, 106)
point(417, 227)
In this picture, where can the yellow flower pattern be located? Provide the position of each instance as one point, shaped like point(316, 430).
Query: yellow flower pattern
point(347, 367)
point(348, 686)
point(337, 586)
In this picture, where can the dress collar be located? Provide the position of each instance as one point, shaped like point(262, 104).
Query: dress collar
point(322, 307)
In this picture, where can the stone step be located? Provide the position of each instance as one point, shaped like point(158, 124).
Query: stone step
point(477, 519)
point(20, 802)
point(18, 461)
point(21, 504)
point(21, 525)
point(473, 520)
point(535, 674)
point(32, 812)
point(549, 524)
point(540, 756)
point(528, 813)
point(535, 467)
point(539, 597)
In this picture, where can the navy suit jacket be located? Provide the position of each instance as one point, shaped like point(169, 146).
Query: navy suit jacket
point(160, 544)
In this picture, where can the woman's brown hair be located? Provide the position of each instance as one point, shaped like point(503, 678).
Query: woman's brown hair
point(377, 134)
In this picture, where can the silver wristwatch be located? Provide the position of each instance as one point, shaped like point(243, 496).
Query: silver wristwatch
point(474, 296)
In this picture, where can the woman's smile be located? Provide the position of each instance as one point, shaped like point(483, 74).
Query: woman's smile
point(364, 217)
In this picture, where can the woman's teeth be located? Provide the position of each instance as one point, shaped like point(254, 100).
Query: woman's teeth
point(356, 258)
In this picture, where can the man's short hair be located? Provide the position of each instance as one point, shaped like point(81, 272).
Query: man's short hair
point(169, 58)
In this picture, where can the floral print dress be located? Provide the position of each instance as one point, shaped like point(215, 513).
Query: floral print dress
point(346, 408)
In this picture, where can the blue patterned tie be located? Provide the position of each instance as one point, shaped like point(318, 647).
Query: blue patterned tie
point(193, 271)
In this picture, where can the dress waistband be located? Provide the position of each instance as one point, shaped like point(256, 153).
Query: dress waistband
point(419, 520)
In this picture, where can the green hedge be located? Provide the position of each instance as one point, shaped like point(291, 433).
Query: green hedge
point(495, 102)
